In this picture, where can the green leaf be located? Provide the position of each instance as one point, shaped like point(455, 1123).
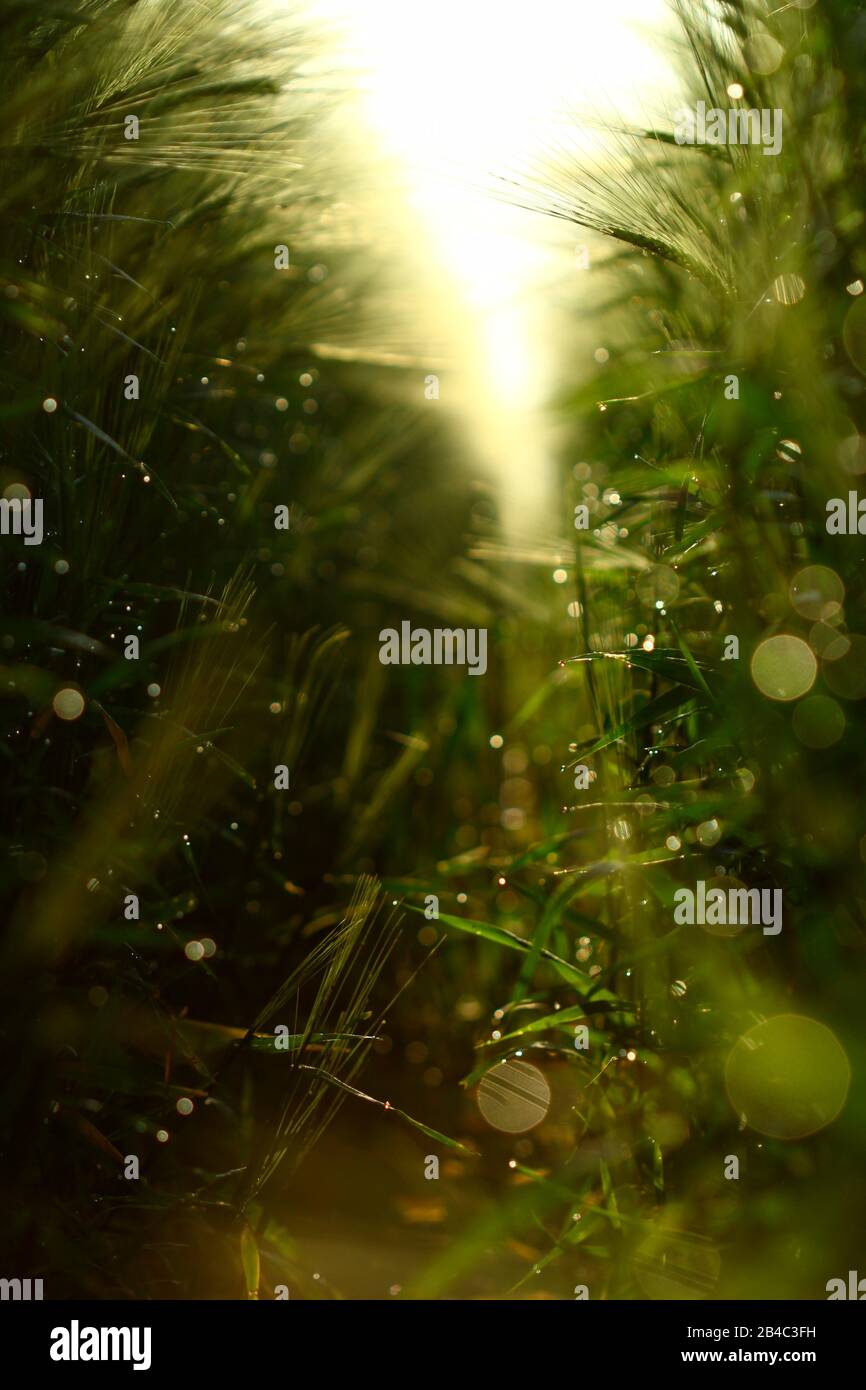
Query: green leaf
point(661, 710)
point(292, 1042)
point(658, 663)
point(538, 1025)
point(394, 1110)
point(500, 936)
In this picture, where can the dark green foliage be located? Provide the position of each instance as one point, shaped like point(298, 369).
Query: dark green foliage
point(156, 257)
point(260, 388)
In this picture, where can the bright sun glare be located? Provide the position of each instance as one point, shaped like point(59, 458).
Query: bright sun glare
point(457, 92)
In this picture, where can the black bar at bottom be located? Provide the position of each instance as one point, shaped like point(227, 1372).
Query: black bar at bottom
point(422, 1339)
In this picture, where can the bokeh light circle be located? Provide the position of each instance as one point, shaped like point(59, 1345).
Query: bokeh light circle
point(846, 674)
point(708, 833)
point(789, 289)
point(763, 53)
point(828, 640)
point(660, 584)
point(788, 1076)
point(817, 592)
point(514, 1096)
point(726, 882)
point(784, 667)
point(68, 703)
